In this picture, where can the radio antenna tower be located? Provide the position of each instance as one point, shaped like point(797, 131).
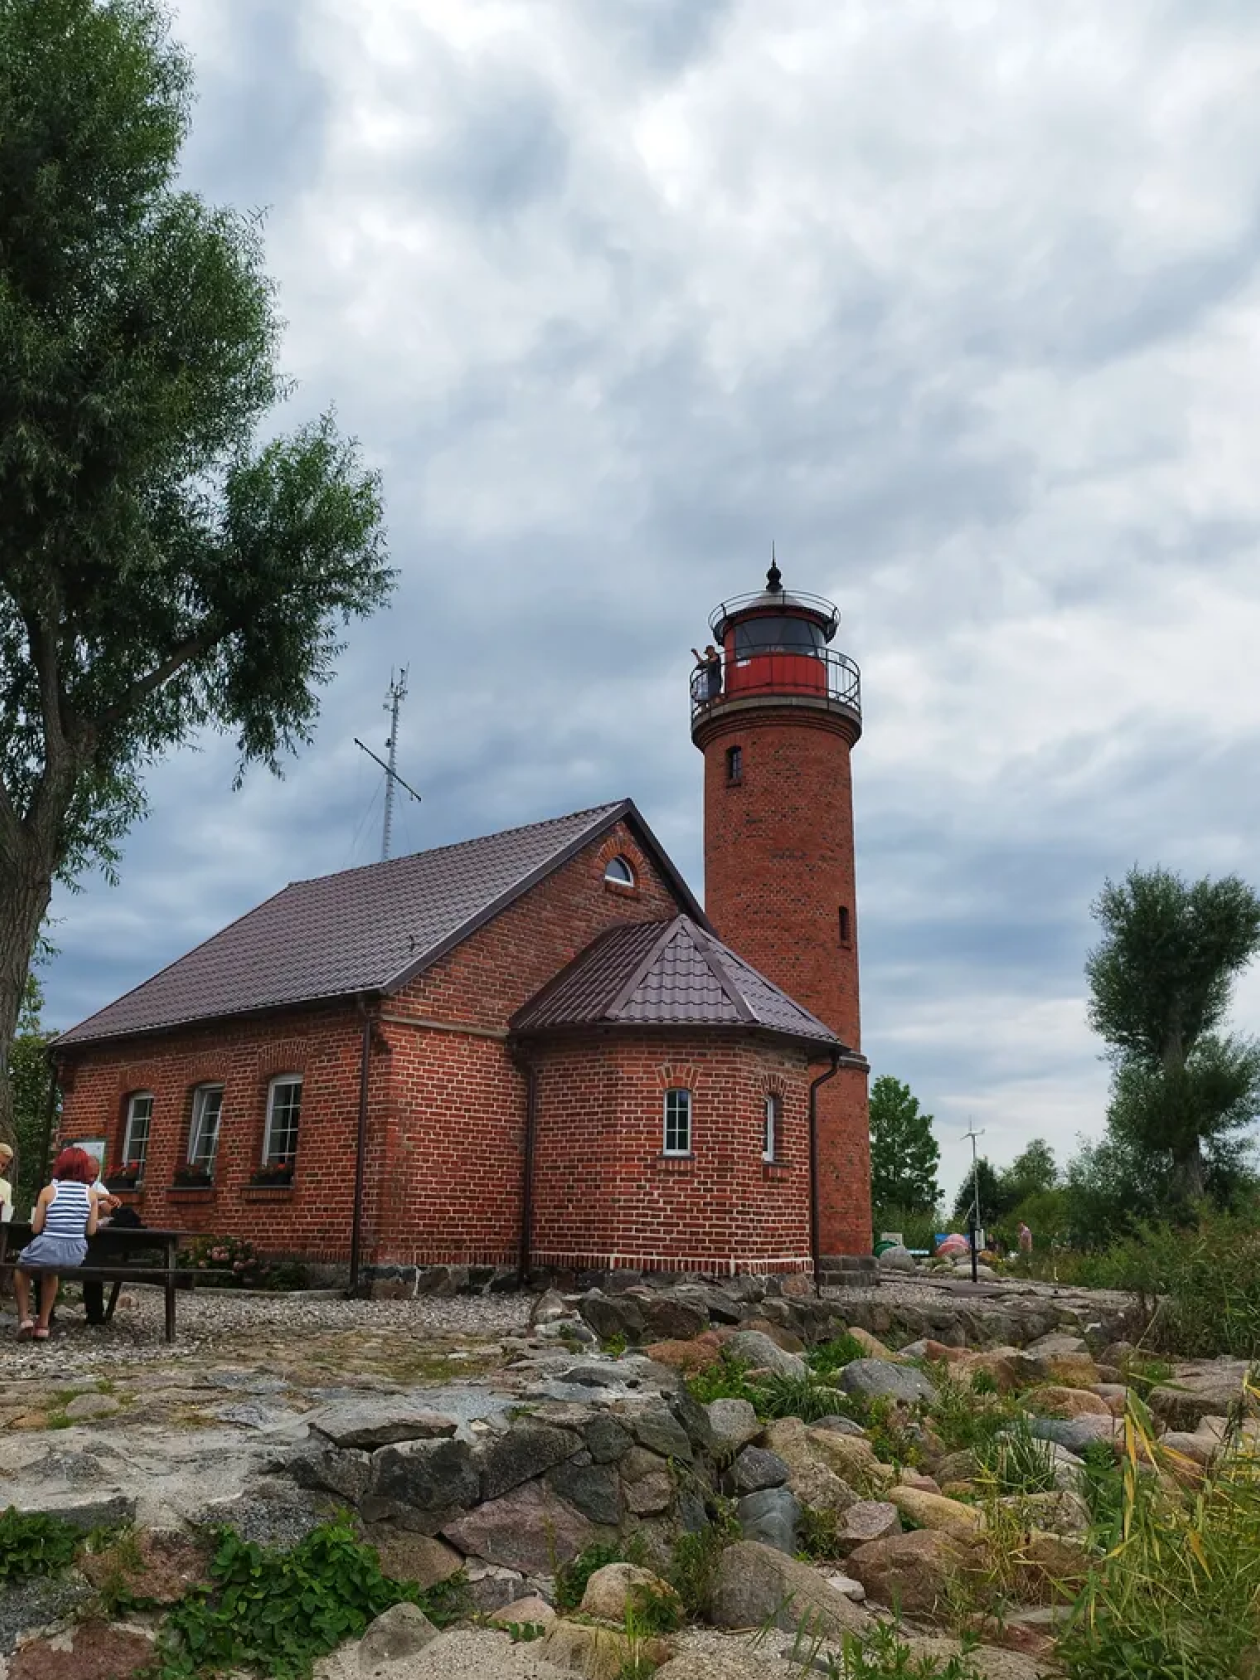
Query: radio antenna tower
point(393, 704)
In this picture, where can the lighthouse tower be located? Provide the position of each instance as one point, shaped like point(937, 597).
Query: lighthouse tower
point(776, 711)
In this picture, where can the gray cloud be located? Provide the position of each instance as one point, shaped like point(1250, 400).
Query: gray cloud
point(958, 306)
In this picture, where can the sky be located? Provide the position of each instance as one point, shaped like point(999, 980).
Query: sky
point(956, 303)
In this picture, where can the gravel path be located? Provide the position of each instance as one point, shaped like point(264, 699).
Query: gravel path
point(229, 1324)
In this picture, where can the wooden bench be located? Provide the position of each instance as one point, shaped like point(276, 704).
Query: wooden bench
point(106, 1243)
point(115, 1276)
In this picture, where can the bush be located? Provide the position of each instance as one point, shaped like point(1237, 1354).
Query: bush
point(772, 1396)
point(1017, 1461)
point(237, 1264)
point(969, 1418)
point(571, 1578)
point(32, 1543)
point(277, 1610)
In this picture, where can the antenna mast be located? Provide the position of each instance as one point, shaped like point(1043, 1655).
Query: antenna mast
point(393, 702)
point(394, 698)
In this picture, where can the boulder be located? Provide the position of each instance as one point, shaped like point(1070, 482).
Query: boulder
point(732, 1424)
point(646, 1482)
point(660, 1432)
point(1210, 1391)
point(870, 1345)
point(667, 1318)
point(835, 1423)
point(529, 1529)
point(1056, 1561)
point(869, 1519)
point(84, 1407)
point(592, 1489)
point(912, 1571)
point(620, 1587)
point(413, 1557)
point(880, 1379)
point(613, 1315)
point(600, 1653)
point(692, 1356)
point(754, 1585)
point(853, 1459)
point(523, 1453)
point(756, 1349)
point(1057, 1342)
point(1074, 1370)
point(984, 1660)
point(378, 1422)
point(961, 1466)
point(522, 1612)
point(422, 1476)
point(911, 1478)
point(1010, 1368)
point(754, 1469)
point(550, 1308)
point(810, 1478)
point(1076, 1433)
point(90, 1650)
point(933, 1511)
point(850, 1588)
point(1199, 1449)
point(770, 1516)
point(605, 1439)
point(397, 1633)
point(897, 1260)
point(1063, 1513)
point(346, 1471)
point(152, 1567)
point(1051, 1400)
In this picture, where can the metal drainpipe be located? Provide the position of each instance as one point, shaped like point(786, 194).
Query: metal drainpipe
point(360, 1153)
point(822, 1079)
point(50, 1114)
point(527, 1167)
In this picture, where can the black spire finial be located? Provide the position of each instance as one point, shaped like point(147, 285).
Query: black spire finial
point(774, 577)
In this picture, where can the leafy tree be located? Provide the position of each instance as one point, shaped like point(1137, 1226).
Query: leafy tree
point(1160, 984)
point(995, 1201)
point(161, 573)
point(1031, 1173)
point(30, 1078)
point(904, 1154)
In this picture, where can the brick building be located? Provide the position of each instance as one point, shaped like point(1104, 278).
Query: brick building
point(526, 1050)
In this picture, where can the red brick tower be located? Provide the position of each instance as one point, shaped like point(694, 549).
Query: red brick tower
point(776, 714)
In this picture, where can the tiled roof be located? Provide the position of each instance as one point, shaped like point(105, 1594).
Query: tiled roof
point(362, 930)
point(666, 974)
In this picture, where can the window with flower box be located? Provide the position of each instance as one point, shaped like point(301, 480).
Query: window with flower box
point(284, 1114)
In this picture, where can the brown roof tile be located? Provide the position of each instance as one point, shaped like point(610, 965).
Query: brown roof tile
point(667, 974)
point(367, 930)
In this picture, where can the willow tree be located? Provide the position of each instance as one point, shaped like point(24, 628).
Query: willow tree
point(162, 572)
point(1160, 983)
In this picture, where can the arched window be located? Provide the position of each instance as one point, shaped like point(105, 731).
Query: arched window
point(618, 871)
point(136, 1132)
point(284, 1113)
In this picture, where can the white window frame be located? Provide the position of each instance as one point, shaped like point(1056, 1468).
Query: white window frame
point(271, 1156)
point(670, 1115)
point(619, 863)
point(201, 1101)
point(770, 1126)
point(131, 1151)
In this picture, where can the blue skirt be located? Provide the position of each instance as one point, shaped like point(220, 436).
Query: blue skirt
point(53, 1252)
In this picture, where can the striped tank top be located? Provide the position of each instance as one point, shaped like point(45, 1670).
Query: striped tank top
point(67, 1214)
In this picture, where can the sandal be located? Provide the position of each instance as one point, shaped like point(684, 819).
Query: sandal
point(40, 1332)
point(26, 1328)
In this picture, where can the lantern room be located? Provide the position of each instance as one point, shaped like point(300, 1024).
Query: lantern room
point(774, 646)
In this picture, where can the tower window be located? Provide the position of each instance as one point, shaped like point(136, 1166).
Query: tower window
point(770, 1135)
point(619, 872)
point(734, 765)
point(846, 936)
point(678, 1122)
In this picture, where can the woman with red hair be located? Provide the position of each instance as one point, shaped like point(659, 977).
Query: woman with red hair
point(63, 1219)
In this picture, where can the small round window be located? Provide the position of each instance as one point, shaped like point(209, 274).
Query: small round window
point(619, 872)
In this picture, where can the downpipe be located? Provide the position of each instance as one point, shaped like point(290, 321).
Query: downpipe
point(814, 1221)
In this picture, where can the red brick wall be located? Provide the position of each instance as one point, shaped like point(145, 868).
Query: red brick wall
point(458, 1097)
point(605, 1194)
point(779, 865)
point(313, 1217)
point(446, 1108)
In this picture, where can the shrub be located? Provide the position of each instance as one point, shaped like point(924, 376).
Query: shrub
point(1017, 1461)
point(277, 1610)
point(571, 1578)
point(725, 1379)
point(969, 1418)
point(696, 1555)
point(772, 1396)
point(829, 1357)
point(236, 1264)
point(32, 1543)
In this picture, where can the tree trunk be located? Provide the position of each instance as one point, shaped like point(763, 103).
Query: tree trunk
point(1189, 1172)
point(26, 875)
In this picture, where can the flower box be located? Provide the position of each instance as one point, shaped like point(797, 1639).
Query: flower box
point(115, 1182)
point(192, 1178)
point(275, 1175)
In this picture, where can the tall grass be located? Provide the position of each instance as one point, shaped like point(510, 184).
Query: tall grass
point(1177, 1596)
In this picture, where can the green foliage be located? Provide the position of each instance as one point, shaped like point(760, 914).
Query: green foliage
point(904, 1154)
point(1017, 1461)
point(571, 1578)
point(889, 1429)
point(1027, 1189)
point(523, 1633)
point(29, 1080)
point(163, 572)
point(32, 1543)
point(828, 1357)
point(1102, 1489)
point(725, 1379)
point(969, 1418)
point(881, 1655)
point(695, 1557)
point(278, 1610)
point(817, 1535)
point(1178, 1595)
point(994, 1202)
point(655, 1610)
point(1160, 982)
point(773, 1396)
point(236, 1264)
point(918, 1228)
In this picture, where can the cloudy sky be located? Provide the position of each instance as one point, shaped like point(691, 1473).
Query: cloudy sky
point(958, 302)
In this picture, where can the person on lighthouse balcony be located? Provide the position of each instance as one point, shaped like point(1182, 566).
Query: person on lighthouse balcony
point(709, 665)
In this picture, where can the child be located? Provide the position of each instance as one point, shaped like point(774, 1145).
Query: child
point(62, 1220)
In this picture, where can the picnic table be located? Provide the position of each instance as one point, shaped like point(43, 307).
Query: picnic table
point(108, 1260)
